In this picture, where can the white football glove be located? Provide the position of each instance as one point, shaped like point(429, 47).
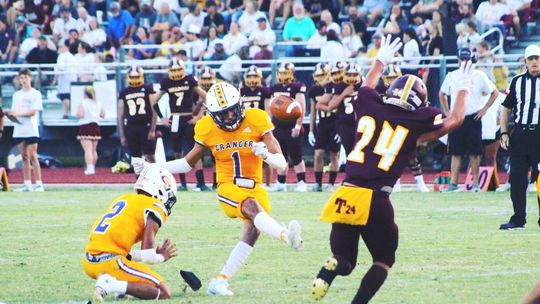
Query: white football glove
point(464, 76)
point(388, 49)
point(138, 164)
point(311, 139)
point(260, 150)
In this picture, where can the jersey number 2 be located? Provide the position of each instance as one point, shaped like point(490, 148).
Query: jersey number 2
point(104, 224)
point(388, 144)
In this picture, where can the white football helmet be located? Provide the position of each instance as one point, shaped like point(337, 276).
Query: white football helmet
point(158, 183)
point(224, 106)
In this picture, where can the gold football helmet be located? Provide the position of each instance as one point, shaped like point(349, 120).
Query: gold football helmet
point(337, 72)
point(321, 74)
point(135, 76)
point(390, 73)
point(208, 78)
point(177, 70)
point(253, 77)
point(285, 73)
point(353, 74)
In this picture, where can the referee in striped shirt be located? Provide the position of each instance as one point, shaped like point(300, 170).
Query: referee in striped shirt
point(523, 98)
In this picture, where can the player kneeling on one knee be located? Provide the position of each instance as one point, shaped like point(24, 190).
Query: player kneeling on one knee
point(240, 140)
point(109, 257)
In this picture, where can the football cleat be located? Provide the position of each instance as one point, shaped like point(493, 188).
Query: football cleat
point(300, 187)
point(219, 287)
point(39, 188)
point(317, 188)
point(24, 189)
point(277, 187)
point(294, 235)
point(320, 287)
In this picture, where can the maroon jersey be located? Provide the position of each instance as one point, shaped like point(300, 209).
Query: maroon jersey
point(345, 111)
point(137, 107)
point(254, 98)
point(314, 94)
point(386, 136)
point(181, 93)
point(290, 89)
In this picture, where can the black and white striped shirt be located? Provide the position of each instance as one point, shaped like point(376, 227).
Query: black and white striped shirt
point(523, 96)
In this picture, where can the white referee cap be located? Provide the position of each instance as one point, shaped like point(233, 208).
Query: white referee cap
point(532, 50)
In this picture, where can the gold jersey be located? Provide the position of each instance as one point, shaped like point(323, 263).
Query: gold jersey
point(232, 149)
point(122, 224)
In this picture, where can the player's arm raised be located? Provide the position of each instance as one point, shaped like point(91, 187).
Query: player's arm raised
point(148, 254)
point(270, 151)
point(456, 117)
point(385, 55)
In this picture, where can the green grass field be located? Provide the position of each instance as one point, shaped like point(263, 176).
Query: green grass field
point(450, 250)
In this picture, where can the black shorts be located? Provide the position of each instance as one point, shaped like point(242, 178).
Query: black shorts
point(467, 138)
point(63, 96)
point(290, 146)
point(380, 234)
point(183, 140)
point(326, 137)
point(137, 140)
point(347, 134)
point(27, 140)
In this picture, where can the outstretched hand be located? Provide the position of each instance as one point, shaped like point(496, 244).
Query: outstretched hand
point(388, 49)
point(167, 250)
point(464, 76)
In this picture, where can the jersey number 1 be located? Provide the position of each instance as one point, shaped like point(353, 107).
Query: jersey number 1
point(388, 144)
point(237, 164)
point(104, 224)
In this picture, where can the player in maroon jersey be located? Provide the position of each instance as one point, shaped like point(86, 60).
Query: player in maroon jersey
point(388, 131)
point(345, 122)
point(324, 137)
point(290, 134)
point(181, 89)
point(136, 120)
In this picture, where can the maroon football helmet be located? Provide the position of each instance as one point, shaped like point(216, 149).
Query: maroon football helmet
point(408, 92)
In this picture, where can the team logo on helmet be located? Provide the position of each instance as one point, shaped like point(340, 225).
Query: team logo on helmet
point(408, 92)
point(207, 77)
point(158, 183)
point(224, 106)
point(321, 74)
point(353, 74)
point(253, 77)
point(390, 73)
point(285, 73)
point(177, 70)
point(135, 76)
point(337, 72)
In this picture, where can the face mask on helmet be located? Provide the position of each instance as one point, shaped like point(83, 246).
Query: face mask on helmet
point(408, 92)
point(158, 183)
point(176, 70)
point(321, 75)
point(224, 106)
point(253, 77)
point(285, 73)
point(208, 78)
point(353, 75)
point(391, 72)
point(135, 77)
point(337, 73)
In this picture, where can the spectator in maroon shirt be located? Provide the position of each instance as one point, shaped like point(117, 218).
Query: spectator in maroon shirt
point(264, 53)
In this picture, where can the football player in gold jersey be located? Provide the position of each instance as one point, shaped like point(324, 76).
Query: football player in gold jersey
point(129, 219)
point(240, 139)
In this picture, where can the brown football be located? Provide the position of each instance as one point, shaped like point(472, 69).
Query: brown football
point(285, 108)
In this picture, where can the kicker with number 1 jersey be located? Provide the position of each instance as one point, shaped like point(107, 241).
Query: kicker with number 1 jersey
point(386, 136)
point(232, 149)
point(122, 225)
point(137, 107)
point(181, 93)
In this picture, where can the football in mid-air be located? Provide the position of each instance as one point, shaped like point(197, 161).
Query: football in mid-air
point(285, 108)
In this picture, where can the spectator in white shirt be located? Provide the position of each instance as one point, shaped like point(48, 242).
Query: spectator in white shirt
point(231, 68)
point(194, 47)
point(63, 24)
point(248, 19)
point(211, 41)
point(318, 39)
point(333, 50)
point(326, 17)
point(173, 5)
point(96, 36)
point(234, 40)
point(83, 23)
point(195, 17)
point(85, 62)
point(492, 12)
point(262, 31)
point(350, 40)
point(65, 65)
point(410, 49)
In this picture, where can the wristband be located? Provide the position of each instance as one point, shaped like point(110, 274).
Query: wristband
point(504, 133)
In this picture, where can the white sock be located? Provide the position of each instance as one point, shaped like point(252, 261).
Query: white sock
point(28, 183)
point(39, 183)
point(119, 286)
point(268, 225)
point(237, 257)
point(419, 179)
